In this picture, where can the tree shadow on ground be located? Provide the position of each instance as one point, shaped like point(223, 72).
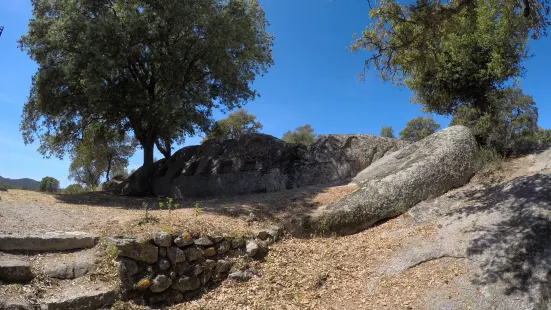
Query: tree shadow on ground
point(265, 206)
point(512, 235)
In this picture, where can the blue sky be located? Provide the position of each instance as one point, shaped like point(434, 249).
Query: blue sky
point(314, 81)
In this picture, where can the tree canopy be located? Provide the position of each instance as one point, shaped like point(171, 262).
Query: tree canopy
point(100, 152)
point(451, 53)
point(510, 125)
point(301, 135)
point(234, 126)
point(419, 128)
point(387, 131)
point(48, 184)
point(154, 69)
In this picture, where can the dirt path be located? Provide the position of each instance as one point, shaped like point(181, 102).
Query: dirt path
point(103, 214)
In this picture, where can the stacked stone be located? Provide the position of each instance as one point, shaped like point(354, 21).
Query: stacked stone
point(172, 268)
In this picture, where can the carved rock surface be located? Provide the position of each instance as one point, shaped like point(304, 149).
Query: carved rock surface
point(260, 163)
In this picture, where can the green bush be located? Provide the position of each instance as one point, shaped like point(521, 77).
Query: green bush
point(74, 189)
point(48, 184)
point(301, 135)
point(387, 131)
point(418, 129)
point(509, 126)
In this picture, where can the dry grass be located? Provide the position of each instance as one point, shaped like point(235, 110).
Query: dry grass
point(105, 214)
point(323, 273)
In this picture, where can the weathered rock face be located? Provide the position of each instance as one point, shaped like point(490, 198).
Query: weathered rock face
point(392, 185)
point(261, 163)
point(498, 232)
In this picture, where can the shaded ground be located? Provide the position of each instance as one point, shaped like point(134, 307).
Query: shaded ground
point(106, 214)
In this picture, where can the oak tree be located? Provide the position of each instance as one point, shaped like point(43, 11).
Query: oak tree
point(153, 69)
point(451, 53)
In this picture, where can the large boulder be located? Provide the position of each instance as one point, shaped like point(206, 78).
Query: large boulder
point(260, 163)
point(392, 185)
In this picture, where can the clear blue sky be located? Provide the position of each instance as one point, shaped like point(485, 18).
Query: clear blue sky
point(314, 80)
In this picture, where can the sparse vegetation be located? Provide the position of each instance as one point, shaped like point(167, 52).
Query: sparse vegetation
point(387, 131)
point(147, 218)
point(7, 185)
point(168, 204)
point(197, 210)
point(302, 135)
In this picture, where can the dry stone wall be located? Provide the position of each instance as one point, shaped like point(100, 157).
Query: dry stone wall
point(171, 268)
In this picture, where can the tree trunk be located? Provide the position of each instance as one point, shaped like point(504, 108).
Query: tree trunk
point(108, 169)
point(148, 146)
point(145, 177)
point(165, 149)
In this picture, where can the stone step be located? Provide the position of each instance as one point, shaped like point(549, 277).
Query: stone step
point(15, 271)
point(48, 241)
point(82, 296)
point(14, 304)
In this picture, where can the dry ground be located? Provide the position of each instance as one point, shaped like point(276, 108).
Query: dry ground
point(106, 214)
point(315, 273)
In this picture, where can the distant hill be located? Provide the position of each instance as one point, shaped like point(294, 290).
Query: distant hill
point(24, 183)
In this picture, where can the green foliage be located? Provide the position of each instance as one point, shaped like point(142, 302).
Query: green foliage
point(419, 128)
point(234, 126)
point(450, 53)
point(197, 210)
point(121, 174)
point(153, 68)
point(387, 131)
point(74, 189)
point(302, 135)
point(543, 136)
point(509, 125)
point(48, 184)
point(488, 159)
point(168, 204)
point(100, 151)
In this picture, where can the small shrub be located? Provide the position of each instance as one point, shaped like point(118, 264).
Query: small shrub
point(147, 217)
point(168, 204)
point(197, 210)
point(489, 162)
point(488, 158)
point(387, 132)
point(74, 189)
